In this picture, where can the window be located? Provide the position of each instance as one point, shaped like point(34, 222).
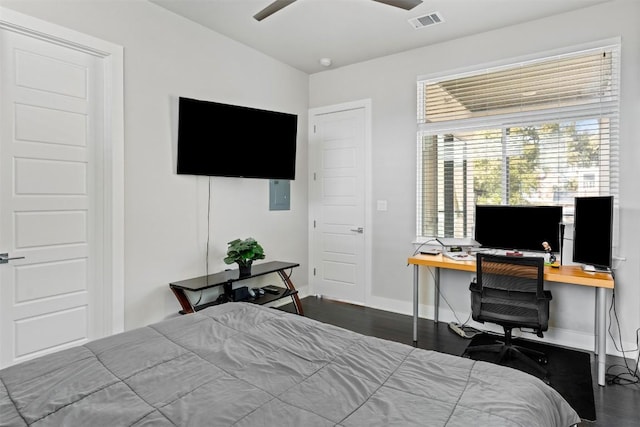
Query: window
point(532, 133)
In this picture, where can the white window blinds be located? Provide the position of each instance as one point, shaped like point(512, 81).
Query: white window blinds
point(533, 133)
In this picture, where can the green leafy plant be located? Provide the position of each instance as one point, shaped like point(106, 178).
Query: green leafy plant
point(244, 252)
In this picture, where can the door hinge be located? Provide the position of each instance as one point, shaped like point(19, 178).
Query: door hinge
point(314, 271)
point(314, 223)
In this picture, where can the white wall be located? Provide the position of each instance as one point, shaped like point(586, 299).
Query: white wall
point(165, 57)
point(391, 84)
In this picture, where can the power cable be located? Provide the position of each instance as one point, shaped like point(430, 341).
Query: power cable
point(469, 331)
point(628, 375)
point(206, 275)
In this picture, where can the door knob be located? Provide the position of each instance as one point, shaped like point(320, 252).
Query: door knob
point(358, 230)
point(4, 258)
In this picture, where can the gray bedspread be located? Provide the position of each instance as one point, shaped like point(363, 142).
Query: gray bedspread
point(246, 365)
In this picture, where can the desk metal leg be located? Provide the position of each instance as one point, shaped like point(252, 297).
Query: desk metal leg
point(436, 303)
point(436, 292)
point(601, 334)
point(415, 303)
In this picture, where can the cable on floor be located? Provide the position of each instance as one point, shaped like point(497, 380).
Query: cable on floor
point(628, 375)
point(460, 328)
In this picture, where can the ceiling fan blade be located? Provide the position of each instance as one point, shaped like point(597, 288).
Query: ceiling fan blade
point(403, 4)
point(272, 8)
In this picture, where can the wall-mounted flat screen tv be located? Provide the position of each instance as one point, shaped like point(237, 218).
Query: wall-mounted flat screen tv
point(218, 139)
point(593, 231)
point(521, 228)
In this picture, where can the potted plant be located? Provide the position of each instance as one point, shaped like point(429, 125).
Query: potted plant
point(243, 253)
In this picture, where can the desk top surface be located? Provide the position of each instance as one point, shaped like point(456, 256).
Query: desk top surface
point(572, 274)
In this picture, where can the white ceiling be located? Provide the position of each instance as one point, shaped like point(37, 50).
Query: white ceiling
point(350, 31)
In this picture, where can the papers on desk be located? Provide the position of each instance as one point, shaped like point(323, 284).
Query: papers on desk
point(459, 256)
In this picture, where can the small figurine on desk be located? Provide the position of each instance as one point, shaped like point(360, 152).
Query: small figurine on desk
point(547, 249)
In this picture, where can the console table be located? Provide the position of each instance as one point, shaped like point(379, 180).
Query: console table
point(228, 277)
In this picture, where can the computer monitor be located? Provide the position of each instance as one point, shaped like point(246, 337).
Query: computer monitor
point(521, 228)
point(593, 231)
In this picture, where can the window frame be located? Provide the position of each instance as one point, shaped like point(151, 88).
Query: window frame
point(502, 121)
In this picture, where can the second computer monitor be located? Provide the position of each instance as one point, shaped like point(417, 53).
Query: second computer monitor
point(593, 231)
point(521, 228)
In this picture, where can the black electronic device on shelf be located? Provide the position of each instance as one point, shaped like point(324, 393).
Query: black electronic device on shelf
point(271, 289)
point(593, 232)
point(217, 139)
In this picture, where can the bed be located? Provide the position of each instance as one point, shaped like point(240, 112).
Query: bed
point(246, 365)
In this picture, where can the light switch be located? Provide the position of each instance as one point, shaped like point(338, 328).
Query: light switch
point(382, 205)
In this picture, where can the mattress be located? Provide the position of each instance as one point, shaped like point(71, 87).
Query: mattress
point(246, 365)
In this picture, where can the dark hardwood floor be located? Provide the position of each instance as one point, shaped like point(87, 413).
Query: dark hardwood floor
point(616, 405)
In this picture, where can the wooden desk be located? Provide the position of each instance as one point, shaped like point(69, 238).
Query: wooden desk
point(570, 274)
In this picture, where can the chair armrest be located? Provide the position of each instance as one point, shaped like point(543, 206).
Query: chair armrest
point(475, 287)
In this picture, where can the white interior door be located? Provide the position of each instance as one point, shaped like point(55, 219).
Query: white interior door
point(51, 140)
point(339, 246)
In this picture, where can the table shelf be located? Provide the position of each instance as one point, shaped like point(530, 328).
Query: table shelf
point(226, 279)
point(260, 300)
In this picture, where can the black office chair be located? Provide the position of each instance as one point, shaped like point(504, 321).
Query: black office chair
point(509, 292)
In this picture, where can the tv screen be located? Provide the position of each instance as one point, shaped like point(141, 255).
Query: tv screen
point(218, 139)
point(593, 231)
point(521, 228)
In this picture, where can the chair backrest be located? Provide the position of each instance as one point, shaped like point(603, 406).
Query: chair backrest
point(511, 273)
point(510, 291)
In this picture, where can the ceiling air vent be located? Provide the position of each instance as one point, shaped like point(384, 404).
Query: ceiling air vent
point(426, 20)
